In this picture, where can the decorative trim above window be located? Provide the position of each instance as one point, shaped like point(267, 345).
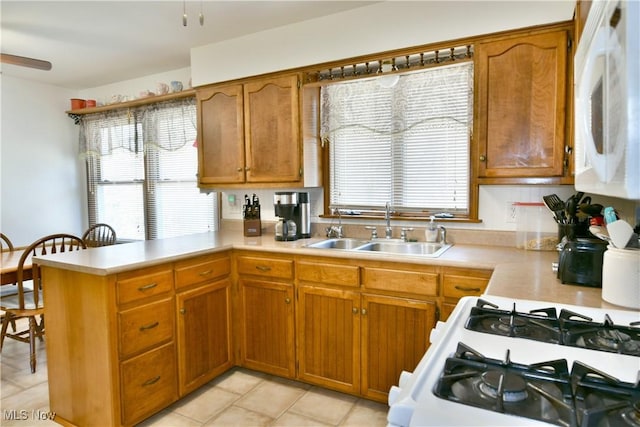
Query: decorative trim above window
point(391, 64)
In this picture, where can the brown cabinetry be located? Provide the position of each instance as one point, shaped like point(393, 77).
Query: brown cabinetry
point(148, 376)
point(266, 314)
point(249, 133)
point(148, 336)
point(203, 306)
point(359, 325)
point(521, 104)
point(461, 282)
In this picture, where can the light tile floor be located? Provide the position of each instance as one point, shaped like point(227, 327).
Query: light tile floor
point(239, 397)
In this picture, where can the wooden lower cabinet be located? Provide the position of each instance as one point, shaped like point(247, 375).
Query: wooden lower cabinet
point(267, 326)
point(395, 336)
point(203, 313)
point(204, 334)
point(122, 347)
point(360, 326)
point(148, 383)
point(461, 282)
point(329, 337)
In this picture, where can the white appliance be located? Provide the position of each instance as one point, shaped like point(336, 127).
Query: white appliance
point(607, 101)
point(414, 402)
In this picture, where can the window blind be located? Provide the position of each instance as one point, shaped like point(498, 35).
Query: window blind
point(142, 172)
point(406, 143)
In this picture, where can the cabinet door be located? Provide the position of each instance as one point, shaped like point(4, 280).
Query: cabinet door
point(220, 135)
point(267, 327)
point(204, 339)
point(272, 131)
point(520, 103)
point(329, 338)
point(395, 336)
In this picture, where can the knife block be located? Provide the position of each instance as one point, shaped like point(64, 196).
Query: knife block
point(252, 227)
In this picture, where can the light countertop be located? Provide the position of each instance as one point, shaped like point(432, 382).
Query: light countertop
point(517, 273)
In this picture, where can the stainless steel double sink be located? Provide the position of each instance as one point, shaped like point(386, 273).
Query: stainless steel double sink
point(392, 246)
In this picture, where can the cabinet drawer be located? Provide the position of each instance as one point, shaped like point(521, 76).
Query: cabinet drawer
point(270, 267)
point(201, 270)
point(145, 326)
point(415, 282)
point(330, 274)
point(149, 383)
point(143, 283)
point(460, 286)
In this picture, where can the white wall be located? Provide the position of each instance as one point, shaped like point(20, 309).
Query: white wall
point(377, 28)
point(132, 88)
point(42, 179)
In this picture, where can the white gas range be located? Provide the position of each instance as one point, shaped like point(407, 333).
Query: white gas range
point(547, 374)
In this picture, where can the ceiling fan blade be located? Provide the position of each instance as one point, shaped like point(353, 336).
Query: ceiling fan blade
point(25, 62)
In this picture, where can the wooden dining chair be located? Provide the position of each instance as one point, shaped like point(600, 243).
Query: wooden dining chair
point(5, 241)
point(34, 309)
point(99, 235)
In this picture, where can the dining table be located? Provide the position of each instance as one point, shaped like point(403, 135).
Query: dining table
point(9, 267)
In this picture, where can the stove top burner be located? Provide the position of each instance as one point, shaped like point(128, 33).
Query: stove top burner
point(571, 329)
point(544, 391)
point(605, 336)
point(541, 391)
point(507, 386)
point(602, 400)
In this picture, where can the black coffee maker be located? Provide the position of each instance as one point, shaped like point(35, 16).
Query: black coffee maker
point(293, 209)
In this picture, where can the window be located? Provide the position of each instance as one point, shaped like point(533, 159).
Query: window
point(407, 143)
point(142, 172)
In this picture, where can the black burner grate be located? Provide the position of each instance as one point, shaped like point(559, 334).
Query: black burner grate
point(571, 329)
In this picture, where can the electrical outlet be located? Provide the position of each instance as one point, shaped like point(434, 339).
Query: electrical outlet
point(511, 213)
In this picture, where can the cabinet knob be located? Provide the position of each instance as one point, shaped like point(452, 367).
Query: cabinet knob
point(364, 311)
point(483, 158)
point(287, 300)
point(239, 169)
point(354, 310)
point(183, 311)
point(247, 169)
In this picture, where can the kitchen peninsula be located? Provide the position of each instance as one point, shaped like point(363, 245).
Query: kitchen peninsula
point(132, 328)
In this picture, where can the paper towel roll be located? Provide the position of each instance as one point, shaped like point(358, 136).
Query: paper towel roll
point(621, 277)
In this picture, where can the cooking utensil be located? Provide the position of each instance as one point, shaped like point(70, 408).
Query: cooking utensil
point(571, 209)
point(555, 205)
point(620, 232)
point(600, 233)
point(591, 210)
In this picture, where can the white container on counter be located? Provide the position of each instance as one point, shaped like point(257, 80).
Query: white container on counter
point(621, 277)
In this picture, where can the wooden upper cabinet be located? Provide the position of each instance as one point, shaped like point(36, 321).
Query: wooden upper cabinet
point(272, 130)
point(220, 135)
point(249, 133)
point(521, 104)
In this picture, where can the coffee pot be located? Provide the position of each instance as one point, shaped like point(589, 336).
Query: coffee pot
point(286, 230)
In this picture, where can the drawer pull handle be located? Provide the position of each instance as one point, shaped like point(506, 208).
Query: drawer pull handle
point(263, 267)
point(151, 381)
point(206, 273)
point(464, 289)
point(147, 327)
point(147, 287)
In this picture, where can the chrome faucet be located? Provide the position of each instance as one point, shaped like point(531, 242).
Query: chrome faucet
point(443, 235)
point(388, 232)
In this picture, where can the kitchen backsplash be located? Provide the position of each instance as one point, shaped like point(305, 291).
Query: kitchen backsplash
point(494, 210)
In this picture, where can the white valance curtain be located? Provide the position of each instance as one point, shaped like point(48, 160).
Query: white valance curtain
point(165, 126)
point(405, 141)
